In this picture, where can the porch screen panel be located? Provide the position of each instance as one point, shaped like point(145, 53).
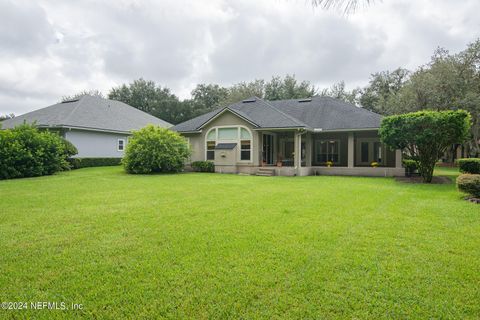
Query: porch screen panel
point(377, 152)
point(333, 147)
point(328, 150)
point(364, 151)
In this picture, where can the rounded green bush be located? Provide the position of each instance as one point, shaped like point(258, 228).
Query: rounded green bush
point(469, 165)
point(155, 149)
point(469, 183)
point(26, 151)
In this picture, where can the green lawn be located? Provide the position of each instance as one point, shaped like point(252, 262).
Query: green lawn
point(225, 246)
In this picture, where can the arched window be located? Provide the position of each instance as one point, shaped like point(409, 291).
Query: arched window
point(238, 134)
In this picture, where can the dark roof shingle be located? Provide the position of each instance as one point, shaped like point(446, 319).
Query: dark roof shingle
point(323, 113)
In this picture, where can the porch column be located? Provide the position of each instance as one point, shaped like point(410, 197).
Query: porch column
point(297, 153)
point(308, 149)
point(398, 158)
point(351, 150)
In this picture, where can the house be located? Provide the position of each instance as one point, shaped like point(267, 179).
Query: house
point(291, 137)
point(99, 128)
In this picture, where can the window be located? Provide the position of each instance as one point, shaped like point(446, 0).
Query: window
point(121, 144)
point(210, 150)
point(227, 133)
point(237, 134)
point(245, 150)
point(327, 150)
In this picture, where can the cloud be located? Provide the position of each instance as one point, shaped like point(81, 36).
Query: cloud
point(54, 48)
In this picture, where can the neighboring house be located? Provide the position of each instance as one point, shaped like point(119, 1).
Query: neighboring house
point(291, 137)
point(99, 128)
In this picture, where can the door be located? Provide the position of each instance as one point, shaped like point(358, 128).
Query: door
point(267, 151)
point(370, 150)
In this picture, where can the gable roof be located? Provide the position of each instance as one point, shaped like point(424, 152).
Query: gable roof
point(89, 113)
point(321, 113)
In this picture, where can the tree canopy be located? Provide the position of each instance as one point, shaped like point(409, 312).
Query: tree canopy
point(425, 135)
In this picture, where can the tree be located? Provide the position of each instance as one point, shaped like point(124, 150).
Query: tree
point(379, 95)
point(338, 91)
point(151, 98)
point(447, 82)
point(206, 97)
point(155, 149)
point(6, 117)
point(94, 93)
point(288, 88)
point(425, 135)
point(345, 5)
point(244, 90)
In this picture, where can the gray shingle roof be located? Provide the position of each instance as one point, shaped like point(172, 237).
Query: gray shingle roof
point(316, 113)
point(91, 113)
point(329, 113)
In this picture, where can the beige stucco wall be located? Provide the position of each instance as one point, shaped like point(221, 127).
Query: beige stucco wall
point(197, 140)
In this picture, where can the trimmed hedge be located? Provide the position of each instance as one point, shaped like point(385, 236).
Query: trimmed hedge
point(203, 166)
point(77, 163)
point(469, 165)
point(469, 183)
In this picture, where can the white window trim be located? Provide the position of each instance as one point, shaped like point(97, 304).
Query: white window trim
point(237, 140)
point(317, 141)
point(123, 145)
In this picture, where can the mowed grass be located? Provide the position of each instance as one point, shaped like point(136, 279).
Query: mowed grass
point(205, 246)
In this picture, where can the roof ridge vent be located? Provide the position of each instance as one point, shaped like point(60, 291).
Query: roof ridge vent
point(250, 100)
point(305, 100)
point(69, 101)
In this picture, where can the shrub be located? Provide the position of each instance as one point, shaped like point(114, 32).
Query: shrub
point(425, 135)
point(409, 164)
point(469, 183)
point(155, 149)
point(469, 165)
point(27, 152)
point(203, 166)
point(77, 163)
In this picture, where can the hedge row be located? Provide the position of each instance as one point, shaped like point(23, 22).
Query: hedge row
point(203, 166)
point(77, 163)
point(469, 165)
point(469, 183)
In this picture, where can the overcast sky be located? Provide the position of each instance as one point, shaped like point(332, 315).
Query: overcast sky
point(53, 48)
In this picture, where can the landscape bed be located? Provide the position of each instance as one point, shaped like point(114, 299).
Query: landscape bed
point(203, 245)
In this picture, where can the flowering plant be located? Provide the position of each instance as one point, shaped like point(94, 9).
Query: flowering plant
point(329, 163)
point(374, 164)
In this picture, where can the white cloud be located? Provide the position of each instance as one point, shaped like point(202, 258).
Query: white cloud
point(53, 48)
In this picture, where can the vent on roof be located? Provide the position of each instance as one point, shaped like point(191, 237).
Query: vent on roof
point(68, 101)
point(305, 100)
point(249, 100)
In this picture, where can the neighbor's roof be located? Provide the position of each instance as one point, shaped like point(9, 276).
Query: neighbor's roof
point(89, 113)
point(323, 113)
